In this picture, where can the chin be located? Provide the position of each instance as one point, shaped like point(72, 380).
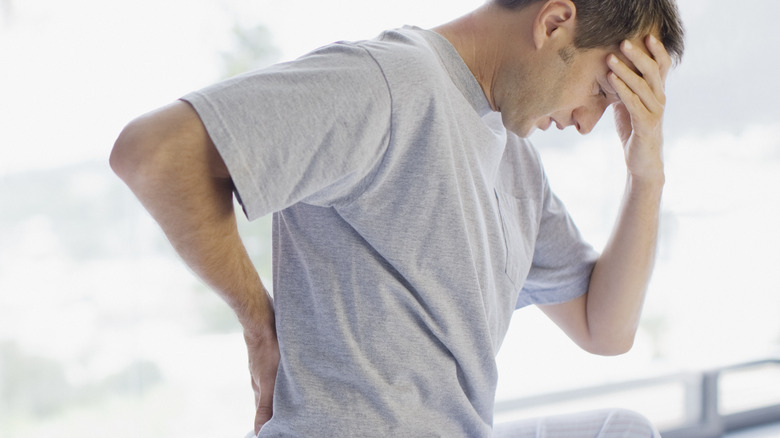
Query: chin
point(524, 131)
point(521, 129)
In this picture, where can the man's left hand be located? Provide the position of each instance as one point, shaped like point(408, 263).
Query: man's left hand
point(639, 114)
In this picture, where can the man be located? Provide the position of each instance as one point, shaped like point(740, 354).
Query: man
point(411, 216)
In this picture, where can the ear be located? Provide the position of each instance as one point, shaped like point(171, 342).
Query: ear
point(554, 21)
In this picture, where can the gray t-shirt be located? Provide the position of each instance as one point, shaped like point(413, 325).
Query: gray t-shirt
point(408, 226)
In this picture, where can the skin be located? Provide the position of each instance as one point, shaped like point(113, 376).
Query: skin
point(525, 77)
point(168, 160)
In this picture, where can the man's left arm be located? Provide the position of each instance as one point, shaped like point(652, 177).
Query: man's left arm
point(605, 319)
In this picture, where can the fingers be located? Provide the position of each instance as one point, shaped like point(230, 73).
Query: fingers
point(660, 55)
point(645, 82)
point(634, 92)
point(263, 414)
point(639, 75)
point(263, 353)
point(264, 403)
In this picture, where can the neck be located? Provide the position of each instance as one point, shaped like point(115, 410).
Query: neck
point(482, 38)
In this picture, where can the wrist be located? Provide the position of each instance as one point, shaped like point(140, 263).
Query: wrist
point(256, 316)
point(258, 333)
point(645, 186)
point(258, 336)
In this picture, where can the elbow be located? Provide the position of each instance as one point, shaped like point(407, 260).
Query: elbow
point(615, 349)
point(136, 155)
point(126, 157)
point(614, 345)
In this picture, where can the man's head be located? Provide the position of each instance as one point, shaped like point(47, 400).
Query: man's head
point(606, 23)
point(551, 65)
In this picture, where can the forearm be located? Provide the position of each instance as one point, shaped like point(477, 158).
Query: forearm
point(619, 281)
point(193, 205)
point(169, 162)
point(201, 226)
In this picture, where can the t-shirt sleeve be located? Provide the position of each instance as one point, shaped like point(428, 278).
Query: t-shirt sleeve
point(312, 130)
point(562, 261)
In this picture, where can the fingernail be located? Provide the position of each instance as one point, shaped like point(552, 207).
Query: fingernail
point(627, 45)
point(653, 39)
point(613, 59)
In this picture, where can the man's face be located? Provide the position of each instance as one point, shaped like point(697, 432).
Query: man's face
point(568, 88)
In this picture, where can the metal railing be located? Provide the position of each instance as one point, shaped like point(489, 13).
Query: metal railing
point(703, 415)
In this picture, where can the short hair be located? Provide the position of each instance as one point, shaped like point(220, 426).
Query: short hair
point(606, 23)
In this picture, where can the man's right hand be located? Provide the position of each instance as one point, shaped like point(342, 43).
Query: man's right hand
point(263, 354)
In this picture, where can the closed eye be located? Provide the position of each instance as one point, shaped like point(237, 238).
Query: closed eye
point(610, 95)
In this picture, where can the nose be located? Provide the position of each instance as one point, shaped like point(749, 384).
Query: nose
point(586, 117)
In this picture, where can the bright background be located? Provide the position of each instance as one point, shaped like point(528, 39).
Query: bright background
point(104, 331)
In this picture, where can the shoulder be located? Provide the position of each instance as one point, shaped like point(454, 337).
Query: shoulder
point(398, 45)
point(406, 54)
point(407, 42)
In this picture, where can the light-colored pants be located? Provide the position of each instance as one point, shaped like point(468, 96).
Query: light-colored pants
point(615, 423)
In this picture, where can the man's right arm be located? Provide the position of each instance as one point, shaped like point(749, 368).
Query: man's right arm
point(168, 160)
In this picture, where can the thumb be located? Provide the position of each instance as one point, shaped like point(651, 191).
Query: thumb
point(262, 416)
point(622, 122)
point(264, 401)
